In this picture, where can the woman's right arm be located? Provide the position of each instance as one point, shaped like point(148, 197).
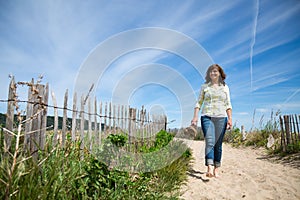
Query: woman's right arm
point(195, 118)
point(198, 106)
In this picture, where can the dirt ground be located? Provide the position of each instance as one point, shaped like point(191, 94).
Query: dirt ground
point(246, 173)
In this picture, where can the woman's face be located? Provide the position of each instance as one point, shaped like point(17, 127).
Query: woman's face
point(214, 74)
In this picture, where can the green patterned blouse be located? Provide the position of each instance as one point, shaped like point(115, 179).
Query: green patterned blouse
point(214, 100)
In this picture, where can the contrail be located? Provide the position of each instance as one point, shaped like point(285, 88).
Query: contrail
point(253, 43)
point(291, 96)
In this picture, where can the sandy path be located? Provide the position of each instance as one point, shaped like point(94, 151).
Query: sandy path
point(245, 174)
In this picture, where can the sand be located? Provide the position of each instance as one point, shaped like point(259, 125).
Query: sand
point(246, 173)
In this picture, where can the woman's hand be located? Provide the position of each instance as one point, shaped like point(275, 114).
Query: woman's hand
point(195, 117)
point(229, 118)
point(194, 122)
point(229, 124)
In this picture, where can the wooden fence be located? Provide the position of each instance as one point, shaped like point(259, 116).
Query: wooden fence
point(290, 134)
point(91, 120)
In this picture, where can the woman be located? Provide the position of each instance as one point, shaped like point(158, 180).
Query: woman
point(216, 116)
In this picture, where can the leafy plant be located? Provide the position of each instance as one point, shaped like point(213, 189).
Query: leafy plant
point(70, 173)
point(234, 137)
point(117, 139)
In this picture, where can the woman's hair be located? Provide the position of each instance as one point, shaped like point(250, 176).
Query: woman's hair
point(219, 68)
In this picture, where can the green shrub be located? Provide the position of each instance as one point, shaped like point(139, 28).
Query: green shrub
point(257, 138)
point(233, 136)
point(161, 183)
point(290, 149)
point(52, 177)
point(70, 173)
point(162, 139)
point(118, 139)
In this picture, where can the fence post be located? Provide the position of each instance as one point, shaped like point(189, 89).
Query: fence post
point(28, 124)
point(142, 124)
point(282, 141)
point(10, 114)
point(35, 134)
point(298, 133)
point(89, 125)
point(293, 130)
point(44, 117)
point(126, 126)
point(287, 129)
point(166, 122)
point(114, 116)
point(131, 125)
point(34, 128)
point(55, 129)
point(105, 118)
point(118, 118)
point(74, 116)
point(100, 123)
point(82, 123)
point(64, 123)
point(96, 135)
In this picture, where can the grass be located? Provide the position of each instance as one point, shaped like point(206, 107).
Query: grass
point(70, 173)
point(259, 137)
point(73, 173)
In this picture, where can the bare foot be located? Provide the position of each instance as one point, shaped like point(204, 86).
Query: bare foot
point(209, 173)
point(216, 173)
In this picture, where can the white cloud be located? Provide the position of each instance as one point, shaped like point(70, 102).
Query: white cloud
point(241, 113)
point(54, 37)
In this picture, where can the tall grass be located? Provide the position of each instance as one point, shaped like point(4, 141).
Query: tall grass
point(258, 137)
point(70, 173)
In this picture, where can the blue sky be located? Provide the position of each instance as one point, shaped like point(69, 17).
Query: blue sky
point(256, 42)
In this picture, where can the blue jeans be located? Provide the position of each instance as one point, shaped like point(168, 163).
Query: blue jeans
point(214, 129)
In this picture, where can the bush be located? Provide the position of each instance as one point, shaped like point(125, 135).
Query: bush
point(52, 177)
point(162, 139)
point(70, 173)
point(234, 137)
point(257, 138)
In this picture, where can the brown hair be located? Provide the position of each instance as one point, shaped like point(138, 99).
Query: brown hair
point(219, 68)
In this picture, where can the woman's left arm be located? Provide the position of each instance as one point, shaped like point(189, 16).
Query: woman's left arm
point(229, 116)
point(228, 109)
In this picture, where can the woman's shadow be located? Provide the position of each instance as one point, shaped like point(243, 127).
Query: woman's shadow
point(197, 174)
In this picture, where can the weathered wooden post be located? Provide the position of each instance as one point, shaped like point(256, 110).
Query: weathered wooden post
point(287, 129)
point(74, 117)
point(109, 118)
point(131, 125)
point(35, 122)
point(294, 131)
point(28, 124)
point(10, 114)
point(64, 123)
point(89, 125)
point(82, 123)
point(114, 131)
point(44, 117)
point(105, 119)
point(298, 132)
point(38, 112)
point(166, 122)
point(96, 135)
point(100, 123)
point(282, 141)
point(142, 125)
point(55, 129)
point(118, 118)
